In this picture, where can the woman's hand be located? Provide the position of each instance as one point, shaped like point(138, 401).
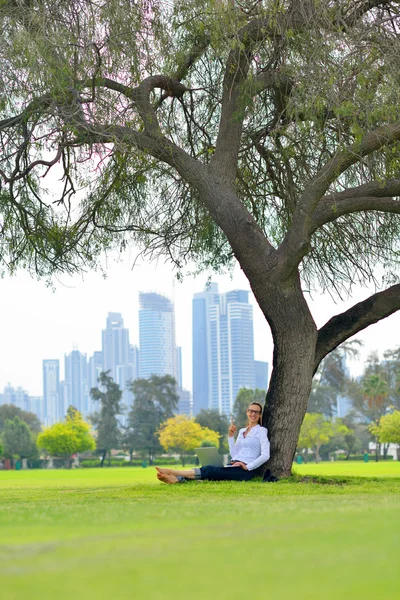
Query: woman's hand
point(232, 430)
point(242, 465)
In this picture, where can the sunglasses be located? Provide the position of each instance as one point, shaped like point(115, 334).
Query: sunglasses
point(254, 412)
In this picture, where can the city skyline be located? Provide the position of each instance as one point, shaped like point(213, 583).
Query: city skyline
point(229, 364)
point(223, 348)
point(38, 323)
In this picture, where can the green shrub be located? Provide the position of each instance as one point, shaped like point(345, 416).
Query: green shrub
point(89, 463)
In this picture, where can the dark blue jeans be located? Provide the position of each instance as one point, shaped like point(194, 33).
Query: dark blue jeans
point(225, 473)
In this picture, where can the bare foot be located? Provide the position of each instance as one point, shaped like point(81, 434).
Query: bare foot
point(165, 471)
point(165, 478)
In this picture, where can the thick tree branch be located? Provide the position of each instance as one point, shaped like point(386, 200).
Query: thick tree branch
point(271, 79)
point(188, 60)
point(171, 86)
point(141, 96)
point(371, 196)
point(236, 71)
point(232, 114)
point(358, 317)
point(372, 141)
point(297, 239)
point(191, 57)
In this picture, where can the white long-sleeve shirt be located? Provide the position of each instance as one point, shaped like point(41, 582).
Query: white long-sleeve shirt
point(252, 449)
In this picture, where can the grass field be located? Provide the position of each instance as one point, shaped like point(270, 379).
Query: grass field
point(119, 533)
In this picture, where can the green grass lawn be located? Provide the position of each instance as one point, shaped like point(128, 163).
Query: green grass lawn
point(119, 533)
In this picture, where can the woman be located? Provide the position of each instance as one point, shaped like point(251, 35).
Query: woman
point(249, 452)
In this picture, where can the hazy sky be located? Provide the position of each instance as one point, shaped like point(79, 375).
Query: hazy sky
point(38, 323)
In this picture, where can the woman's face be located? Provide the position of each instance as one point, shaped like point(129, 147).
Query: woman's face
point(253, 413)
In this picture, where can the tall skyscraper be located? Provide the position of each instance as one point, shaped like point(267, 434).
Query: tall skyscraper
point(115, 344)
point(20, 398)
point(95, 367)
point(205, 340)
point(65, 399)
point(76, 378)
point(51, 385)
point(261, 368)
point(8, 395)
point(157, 335)
point(16, 397)
point(185, 403)
point(179, 367)
point(223, 348)
point(119, 357)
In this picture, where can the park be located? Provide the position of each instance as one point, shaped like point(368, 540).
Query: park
point(331, 531)
point(209, 133)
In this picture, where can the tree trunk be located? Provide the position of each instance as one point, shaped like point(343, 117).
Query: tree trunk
point(295, 336)
point(103, 457)
point(385, 451)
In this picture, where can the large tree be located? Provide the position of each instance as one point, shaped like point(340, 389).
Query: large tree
point(212, 419)
point(182, 434)
point(245, 397)
point(68, 438)
point(18, 439)
point(155, 401)
point(105, 420)
point(331, 380)
point(388, 430)
point(316, 431)
point(265, 132)
point(9, 411)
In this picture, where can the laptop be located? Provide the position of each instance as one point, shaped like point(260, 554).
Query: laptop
point(209, 456)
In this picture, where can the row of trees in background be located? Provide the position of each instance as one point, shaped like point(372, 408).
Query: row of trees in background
point(22, 437)
point(374, 400)
point(273, 126)
point(152, 427)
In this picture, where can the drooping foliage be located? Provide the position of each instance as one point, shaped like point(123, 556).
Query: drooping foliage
point(81, 174)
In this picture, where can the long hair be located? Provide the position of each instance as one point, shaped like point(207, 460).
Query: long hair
point(259, 416)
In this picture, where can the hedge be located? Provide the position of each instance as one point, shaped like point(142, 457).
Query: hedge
point(360, 457)
point(90, 463)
